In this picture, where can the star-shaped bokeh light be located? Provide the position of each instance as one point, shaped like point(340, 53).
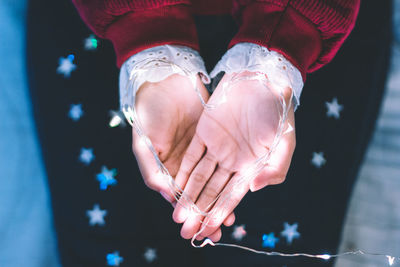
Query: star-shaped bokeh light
point(114, 259)
point(269, 241)
point(86, 156)
point(290, 232)
point(333, 108)
point(75, 112)
point(318, 159)
point(96, 215)
point(150, 254)
point(90, 43)
point(66, 65)
point(106, 177)
point(239, 232)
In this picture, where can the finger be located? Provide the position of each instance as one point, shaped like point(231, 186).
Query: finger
point(230, 220)
point(279, 163)
point(149, 169)
point(191, 226)
point(229, 199)
point(213, 188)
point(192, 156)
point(197, 180)
point(216, 236)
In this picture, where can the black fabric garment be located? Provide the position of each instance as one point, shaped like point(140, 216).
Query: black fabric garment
point(138, 218)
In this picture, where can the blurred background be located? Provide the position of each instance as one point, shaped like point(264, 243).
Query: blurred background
point(27, 231)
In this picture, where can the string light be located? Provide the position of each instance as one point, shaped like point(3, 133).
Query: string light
point(128, 108)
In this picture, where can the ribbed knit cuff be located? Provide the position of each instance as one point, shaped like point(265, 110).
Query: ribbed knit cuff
point(134, 32)
point(282, 29)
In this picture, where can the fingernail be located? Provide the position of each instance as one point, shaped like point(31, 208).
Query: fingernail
point(166, 196)
point(183, 215)
point(254, 188)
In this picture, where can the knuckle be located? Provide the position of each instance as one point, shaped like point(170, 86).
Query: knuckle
point(210, 192)
point(150, 184)
point(198, 178)
point(278, 180)
point(190, 159)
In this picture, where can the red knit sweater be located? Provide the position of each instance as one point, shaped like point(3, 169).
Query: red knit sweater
point(307, 32)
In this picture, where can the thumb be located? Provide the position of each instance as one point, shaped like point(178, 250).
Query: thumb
point(152, 176)
point(278, 165)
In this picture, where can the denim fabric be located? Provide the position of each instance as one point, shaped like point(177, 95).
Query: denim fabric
point(26, 228)
point(373, 218)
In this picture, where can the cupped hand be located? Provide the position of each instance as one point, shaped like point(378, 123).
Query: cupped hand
point(229, 139)
point(168, 111)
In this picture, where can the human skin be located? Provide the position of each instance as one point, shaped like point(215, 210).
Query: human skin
point(227, 140)
point(169, 111)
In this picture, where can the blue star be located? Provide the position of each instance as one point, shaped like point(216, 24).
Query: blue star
point(114, 259)
point(290, 232)
point(75, 112)
point(86, 156)
point(66, 65)
point(106, 177)
point(269, 240)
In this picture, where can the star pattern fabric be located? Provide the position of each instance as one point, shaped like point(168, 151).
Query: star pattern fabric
point(90, 43)
point(239, 232)
point(96, 215)
point(318, 159)
point(66, 66)
point(106, 177)
point(92, 90)
point(333, 108)
point(114, 259)
point(269, 241)
point(75, 112)
point(86, 156)
point(150, 255)
point(290, 232)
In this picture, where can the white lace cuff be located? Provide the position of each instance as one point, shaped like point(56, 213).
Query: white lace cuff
point(256, 58)
point(157, 68)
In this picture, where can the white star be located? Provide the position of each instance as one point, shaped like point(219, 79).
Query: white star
point(65, 66)
point(239, 232)
point(86, 156)
point(117, 119)
point(290, 232)
point(334, 108)
point(90, 43)
point(318, 159)
point(75, 112)
point(96, 215)
point(150, 254)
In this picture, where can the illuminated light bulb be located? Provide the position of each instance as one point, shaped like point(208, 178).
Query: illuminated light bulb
point(289, 129)
point(390, 260)
point(115, 121)
point(142, 142)
point(325, 256)
point(223, 99)
point(206, 242)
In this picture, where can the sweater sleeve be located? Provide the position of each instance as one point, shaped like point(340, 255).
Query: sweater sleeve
point(307, 32)
point(135, 25)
